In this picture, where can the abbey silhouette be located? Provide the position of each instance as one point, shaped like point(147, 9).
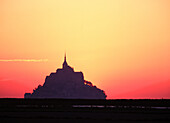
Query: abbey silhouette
point(67, 84)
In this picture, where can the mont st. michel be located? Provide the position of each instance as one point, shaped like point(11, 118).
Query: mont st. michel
point(65, 83)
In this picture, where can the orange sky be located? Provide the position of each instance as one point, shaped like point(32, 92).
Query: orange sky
point(121, 46)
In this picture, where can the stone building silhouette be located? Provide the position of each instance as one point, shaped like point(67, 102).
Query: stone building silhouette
point(67, 84)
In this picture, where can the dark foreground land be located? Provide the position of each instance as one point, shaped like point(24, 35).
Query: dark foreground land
point(61, 110)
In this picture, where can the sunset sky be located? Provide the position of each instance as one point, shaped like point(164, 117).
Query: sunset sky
point(121, 46)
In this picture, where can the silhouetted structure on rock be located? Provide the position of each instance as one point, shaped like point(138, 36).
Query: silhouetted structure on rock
point(66, 83)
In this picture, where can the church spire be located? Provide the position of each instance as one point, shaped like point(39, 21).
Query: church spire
point(65, 57)
point(65, 65)
point(65, 62)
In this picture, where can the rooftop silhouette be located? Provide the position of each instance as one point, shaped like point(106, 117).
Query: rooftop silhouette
point(68, 84)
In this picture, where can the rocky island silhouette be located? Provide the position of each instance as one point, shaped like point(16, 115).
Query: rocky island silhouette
point(66, 84)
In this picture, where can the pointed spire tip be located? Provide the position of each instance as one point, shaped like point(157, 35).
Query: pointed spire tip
point(65, 57)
